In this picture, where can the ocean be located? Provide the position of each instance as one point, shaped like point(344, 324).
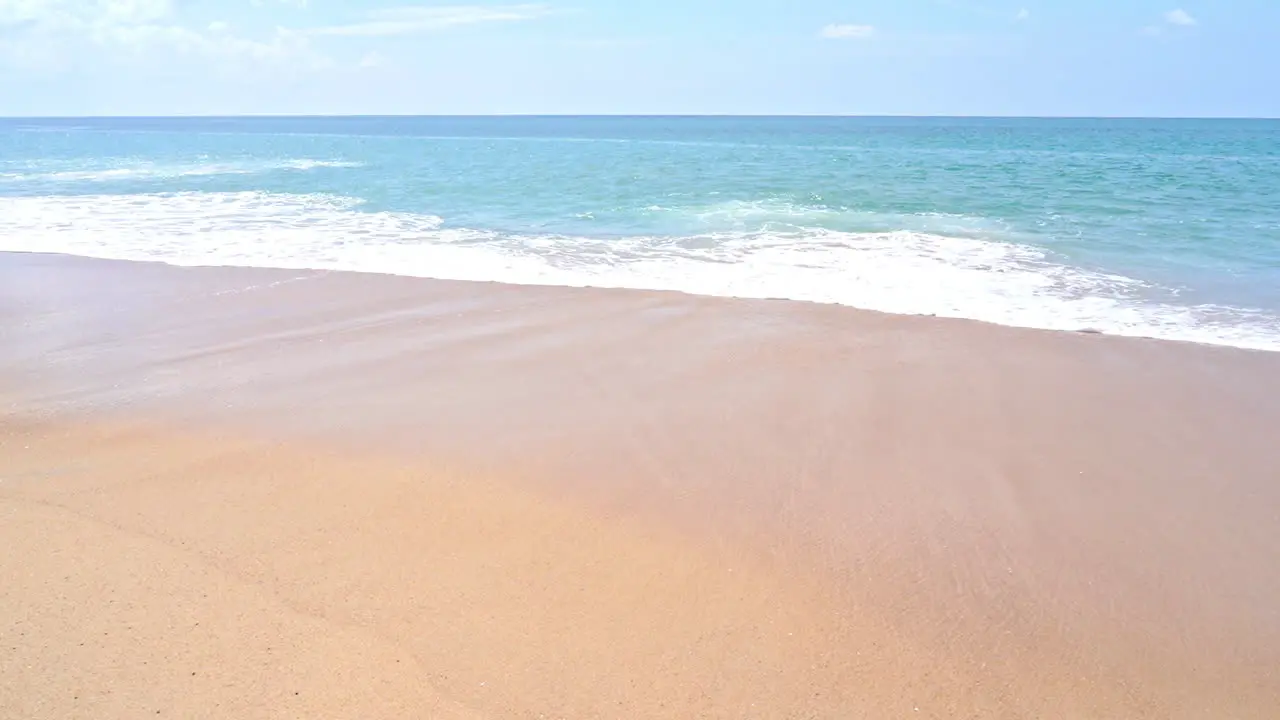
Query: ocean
point(1154, 228)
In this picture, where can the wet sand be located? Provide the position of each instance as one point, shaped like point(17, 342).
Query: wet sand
point(252, 493)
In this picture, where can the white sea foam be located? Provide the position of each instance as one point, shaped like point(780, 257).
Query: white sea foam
point(127, 170)
point(783, 215)
point(901, 272)
point(313, 164)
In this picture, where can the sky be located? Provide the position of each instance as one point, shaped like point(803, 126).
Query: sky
point(1150, 58)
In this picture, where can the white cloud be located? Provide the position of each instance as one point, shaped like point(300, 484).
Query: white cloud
point(135, 11)
point(372, 60)
point(59, 34)
point(847, 32)
point(1023, 14)
point(17, 12)
point(412, 20)
point(28, 12)
point(1174, 19)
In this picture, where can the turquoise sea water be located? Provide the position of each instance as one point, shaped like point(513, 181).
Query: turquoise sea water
point(1156, 228)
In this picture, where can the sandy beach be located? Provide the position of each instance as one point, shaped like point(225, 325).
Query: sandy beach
point(271, 493)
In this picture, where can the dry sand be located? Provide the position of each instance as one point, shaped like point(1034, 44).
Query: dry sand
point(249, 493)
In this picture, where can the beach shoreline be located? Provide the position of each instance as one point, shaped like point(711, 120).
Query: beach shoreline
point(945, 517)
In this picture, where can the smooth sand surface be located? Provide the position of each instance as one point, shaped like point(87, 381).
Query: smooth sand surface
point(251, 493)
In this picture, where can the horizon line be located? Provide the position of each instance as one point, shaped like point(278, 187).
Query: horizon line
point(268, 116)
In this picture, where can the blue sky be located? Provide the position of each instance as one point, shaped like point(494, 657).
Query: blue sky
point(902, 57)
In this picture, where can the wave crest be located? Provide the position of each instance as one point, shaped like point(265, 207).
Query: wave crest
point(134, 171)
